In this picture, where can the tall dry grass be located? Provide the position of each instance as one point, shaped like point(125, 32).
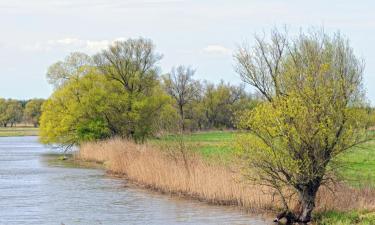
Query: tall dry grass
point(154, 168)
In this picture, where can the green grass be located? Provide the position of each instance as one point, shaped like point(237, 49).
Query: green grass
point(358, 170)
point(358, 163)
point(345, 218)
point(211, 137)
point(18, 131)
point(214, 145)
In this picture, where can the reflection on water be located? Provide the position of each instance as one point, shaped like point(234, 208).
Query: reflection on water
point(31, 192)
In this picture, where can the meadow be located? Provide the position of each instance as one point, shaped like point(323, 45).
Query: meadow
point(206, 171)
point(357, 165)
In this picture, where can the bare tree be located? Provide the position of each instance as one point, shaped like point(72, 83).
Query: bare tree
point(74, 65)
point(182, 87)
point(132, 63)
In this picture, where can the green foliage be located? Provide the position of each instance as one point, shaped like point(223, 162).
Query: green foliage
point(120, 96)
point(315, 110)
point(3, 115)
point(33, 111)
point(78, 102)
point(95, 129)
point(221, 102)
point(11, 112)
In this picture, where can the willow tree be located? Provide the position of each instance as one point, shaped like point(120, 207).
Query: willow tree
point(132, 65)
point(74, 66)
point(314, 110)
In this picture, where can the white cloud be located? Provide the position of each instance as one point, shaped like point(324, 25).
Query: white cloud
point(59, 5)
point(71, 44)
point(217, 50)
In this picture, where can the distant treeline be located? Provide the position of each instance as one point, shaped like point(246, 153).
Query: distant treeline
point(121, 91)
point(14, 111)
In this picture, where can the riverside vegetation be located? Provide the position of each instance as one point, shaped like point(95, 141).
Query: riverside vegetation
point(292, 137)
point(211, 174)
point(20, 118)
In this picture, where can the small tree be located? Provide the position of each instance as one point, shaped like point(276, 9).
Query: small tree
point(181, 86)
point(221, 102)
point(33, 111)
point(314, 111)
point(14, 112)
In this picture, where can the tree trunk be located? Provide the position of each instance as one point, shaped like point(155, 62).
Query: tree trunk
point(307, 195)
point(181, 109)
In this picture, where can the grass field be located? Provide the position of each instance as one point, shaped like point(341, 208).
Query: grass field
point(358, 164)
point(18, 131)
point(358, 169)
point(214, 145)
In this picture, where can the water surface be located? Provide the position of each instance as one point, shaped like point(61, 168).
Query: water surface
point(34, 192)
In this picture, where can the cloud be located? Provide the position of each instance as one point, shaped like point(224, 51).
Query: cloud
point(58, 5)
point(217, 50)
point(71, 44)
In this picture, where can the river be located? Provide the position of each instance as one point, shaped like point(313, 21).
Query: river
point(32, 191)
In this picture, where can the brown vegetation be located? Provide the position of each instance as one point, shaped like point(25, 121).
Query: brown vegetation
point(156, 169)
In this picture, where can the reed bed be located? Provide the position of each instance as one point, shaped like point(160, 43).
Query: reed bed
point(156, 169)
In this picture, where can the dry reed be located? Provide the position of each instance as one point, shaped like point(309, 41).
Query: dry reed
point(151, 167)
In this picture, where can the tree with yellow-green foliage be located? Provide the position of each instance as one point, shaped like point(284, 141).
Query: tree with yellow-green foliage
point(315, 110)
point(118, 96)
point(33, 111)
point(132, 66)
point(73, 113)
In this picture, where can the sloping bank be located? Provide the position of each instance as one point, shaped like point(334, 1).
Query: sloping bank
point(150, 167)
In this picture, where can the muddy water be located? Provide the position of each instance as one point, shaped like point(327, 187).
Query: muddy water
point(33, 191)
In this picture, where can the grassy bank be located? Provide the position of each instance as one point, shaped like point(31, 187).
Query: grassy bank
point(345, 218)
point(206, 173)
point(358, 163)
point(18, 131)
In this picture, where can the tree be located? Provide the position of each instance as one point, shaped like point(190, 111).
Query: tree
point(33, 111)
point(314, 111)
point(13, 112)
point(76, 112)
point(132, 65)
point(3, 114)
point(75, 65)
point(181, 86)
point(118, 96)
point(221, 102)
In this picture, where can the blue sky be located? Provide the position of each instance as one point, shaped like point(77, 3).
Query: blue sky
point(203, 34)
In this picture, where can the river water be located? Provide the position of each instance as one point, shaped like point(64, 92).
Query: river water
point(34, 192)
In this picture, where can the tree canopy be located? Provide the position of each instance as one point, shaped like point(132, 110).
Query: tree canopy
point(118, 96)
point(314, 110)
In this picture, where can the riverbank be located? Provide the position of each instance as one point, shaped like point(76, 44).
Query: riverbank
point(18, 131)
point(38, 188)
point(192, 174)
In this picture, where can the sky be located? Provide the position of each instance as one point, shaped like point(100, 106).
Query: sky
point(198, 33)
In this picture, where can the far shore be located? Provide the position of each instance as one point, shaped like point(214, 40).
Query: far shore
point(19, 131)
